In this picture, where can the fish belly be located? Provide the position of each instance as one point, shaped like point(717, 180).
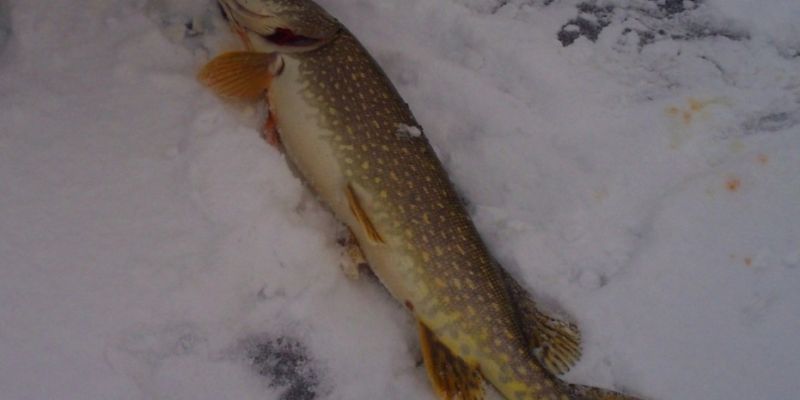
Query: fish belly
point(310, 148)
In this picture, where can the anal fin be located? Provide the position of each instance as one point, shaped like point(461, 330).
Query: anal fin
point(451, 376)
point(241, 75)
point(553, 341)
point(362, 217)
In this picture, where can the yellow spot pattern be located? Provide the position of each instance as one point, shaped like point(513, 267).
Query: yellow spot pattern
point(413, 199)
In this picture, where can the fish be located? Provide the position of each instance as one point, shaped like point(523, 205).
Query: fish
point(353, 139)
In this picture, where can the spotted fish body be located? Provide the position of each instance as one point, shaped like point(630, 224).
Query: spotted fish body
point(348, 132)
point(431, 258)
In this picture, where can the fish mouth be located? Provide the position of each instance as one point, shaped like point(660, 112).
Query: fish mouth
point(244, 10)
point(245, 19)
point(263, 31)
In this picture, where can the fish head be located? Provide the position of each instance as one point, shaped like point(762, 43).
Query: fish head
point(280, 25)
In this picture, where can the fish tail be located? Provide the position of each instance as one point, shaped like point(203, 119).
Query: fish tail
point(581, 392)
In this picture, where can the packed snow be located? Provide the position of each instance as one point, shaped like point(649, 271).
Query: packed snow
point(635, 163)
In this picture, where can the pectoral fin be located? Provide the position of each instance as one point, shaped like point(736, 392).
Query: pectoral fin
point(241, 75)
point(554, 342)
point(362, 217)
point(451, 376)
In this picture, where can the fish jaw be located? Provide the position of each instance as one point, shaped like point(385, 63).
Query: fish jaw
point(285, 26)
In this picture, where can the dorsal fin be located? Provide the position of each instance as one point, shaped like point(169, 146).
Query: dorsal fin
point(451, 376)
point(554, 342)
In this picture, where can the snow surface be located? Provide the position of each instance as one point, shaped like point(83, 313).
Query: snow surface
point(636, 163)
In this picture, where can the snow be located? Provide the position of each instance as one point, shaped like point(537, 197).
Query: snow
point(404, 130)
point(636, 163)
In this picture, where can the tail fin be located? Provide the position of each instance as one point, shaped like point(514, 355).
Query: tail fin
point(554, 342)
point(580, 392)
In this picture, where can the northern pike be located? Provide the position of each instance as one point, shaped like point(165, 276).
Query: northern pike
point(349, 134)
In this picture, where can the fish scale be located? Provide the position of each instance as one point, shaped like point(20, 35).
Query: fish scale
point(351, 136)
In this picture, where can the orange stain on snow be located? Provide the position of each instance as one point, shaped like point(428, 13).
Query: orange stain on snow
point(689, 113)
point(733, 184)
point(748, 261)
point(684, 117)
